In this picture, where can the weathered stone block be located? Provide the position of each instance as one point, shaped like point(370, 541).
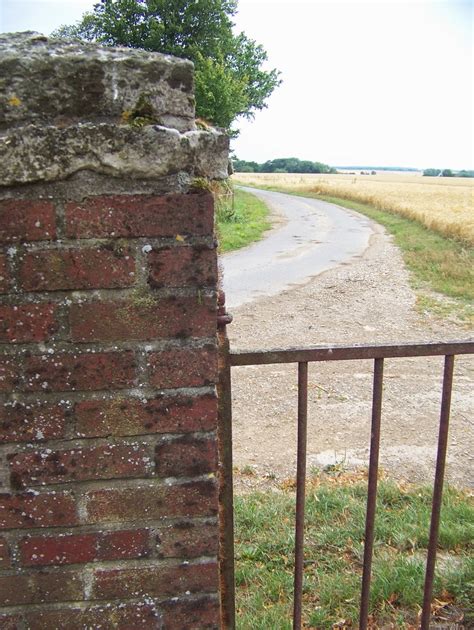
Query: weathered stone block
point(67, 106)
point(55, 81)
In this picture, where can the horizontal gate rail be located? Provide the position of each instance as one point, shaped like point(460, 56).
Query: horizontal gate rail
point(348, 353)
point(303, 356)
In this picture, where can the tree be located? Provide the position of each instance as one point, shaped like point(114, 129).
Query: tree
point(282, 165)
point(229, 75)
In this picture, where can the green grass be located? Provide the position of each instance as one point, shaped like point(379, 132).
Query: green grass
point(437, 263)
point(333, 556)
point(242, 221)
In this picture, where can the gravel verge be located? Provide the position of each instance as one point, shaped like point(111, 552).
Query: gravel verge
point(369, 300)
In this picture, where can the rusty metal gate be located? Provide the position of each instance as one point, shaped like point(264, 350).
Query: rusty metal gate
point(303, 356)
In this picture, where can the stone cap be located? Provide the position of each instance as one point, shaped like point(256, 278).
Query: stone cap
point(63, 81)
point(66, 106)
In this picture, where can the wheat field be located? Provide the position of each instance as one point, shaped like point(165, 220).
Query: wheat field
point(445, 204)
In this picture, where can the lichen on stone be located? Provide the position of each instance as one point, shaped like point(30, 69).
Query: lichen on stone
point(14, 101)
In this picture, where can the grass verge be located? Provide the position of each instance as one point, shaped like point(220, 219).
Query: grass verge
point(241, 221)
point(437, 263)
point(335, 515)
point(447, 265)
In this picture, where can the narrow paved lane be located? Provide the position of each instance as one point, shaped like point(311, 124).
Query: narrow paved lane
point(314, 236)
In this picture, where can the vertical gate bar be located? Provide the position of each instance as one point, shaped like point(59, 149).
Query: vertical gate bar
point(300, 492)
point(438, 489)
point(371, 491)
point(225, 477)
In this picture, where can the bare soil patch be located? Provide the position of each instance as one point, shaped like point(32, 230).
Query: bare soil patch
point(367, 301)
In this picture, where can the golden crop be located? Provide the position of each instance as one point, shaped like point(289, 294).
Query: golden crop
point(443, 204)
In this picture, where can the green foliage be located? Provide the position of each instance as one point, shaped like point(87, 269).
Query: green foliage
point(243, 166)
point(282, 165)
point(230, 81)
point(218, 90)
point(447, 172)
point(141, 114)
point(241, 220)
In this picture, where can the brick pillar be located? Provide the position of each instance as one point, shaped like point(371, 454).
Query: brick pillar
point(108, 276)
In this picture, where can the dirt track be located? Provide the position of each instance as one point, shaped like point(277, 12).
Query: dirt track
point(369, 300)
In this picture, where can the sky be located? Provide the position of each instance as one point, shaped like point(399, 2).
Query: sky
point(379, 83)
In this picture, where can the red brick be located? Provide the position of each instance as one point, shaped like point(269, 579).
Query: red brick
point(149, 503)
point(119, 616)
point(166, 414)
point(5, 280)
point(58, 549)
point(164, 318)
point(25, 220)
point(154, 581)
point(11, 622)
point(76, 372)
point(39, 588)
point(191, 367)
point(80, 464)
point(9, 374)
point(5, 561)
point(30, 422)
point(133, 543)
point(141, 215)
point(188, 540)
point(81, 548)
point(182, 267)
point(96, 268)
point(27, 322)
point(29, 509)
point(194, 614)
point(186, 456)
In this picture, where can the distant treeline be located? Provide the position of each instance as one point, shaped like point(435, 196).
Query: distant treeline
point(295, 165)
point(379, 168)
point(447, 172)
point(282, 165)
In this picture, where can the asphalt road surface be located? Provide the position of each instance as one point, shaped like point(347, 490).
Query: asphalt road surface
point(310, 236)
